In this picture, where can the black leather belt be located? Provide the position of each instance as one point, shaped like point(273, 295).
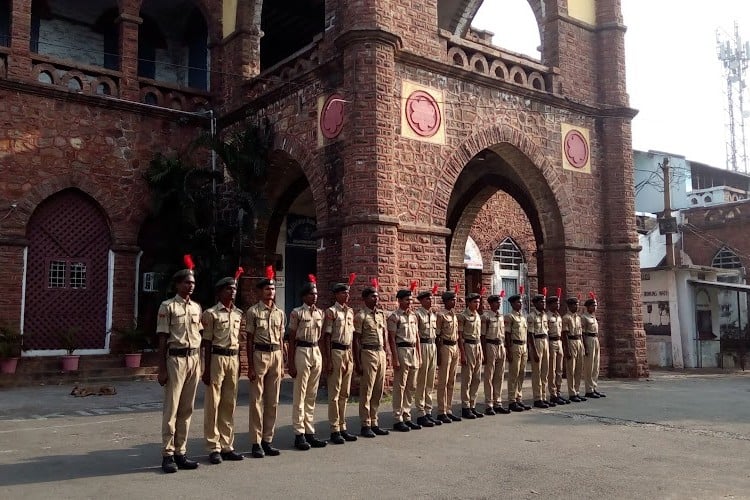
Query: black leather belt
point(423, 340)
point(340, 347)
point(471, 341)
point(449, 342)
point(267, 347)
point(554, 337)
point(372, 347)
point(540, 336)
point(405, 344)
point(518, 342)
point(590, 334)
point(304, 343)
point(494, 341)
point(574, 337)
point(183, 352)
point(221, 351)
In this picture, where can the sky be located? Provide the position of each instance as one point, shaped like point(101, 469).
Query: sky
point(674, 77)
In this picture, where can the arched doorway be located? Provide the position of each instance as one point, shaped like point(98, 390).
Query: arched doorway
point(68, 282)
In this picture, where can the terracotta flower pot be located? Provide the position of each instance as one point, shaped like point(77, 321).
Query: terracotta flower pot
point(70, 363)
point(8, 365)
point(133, 360)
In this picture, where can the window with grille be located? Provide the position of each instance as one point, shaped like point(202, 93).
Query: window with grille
point(726, 259)
point(56, 274)
point(509, 255)
point(77, 275)
point(66, 274)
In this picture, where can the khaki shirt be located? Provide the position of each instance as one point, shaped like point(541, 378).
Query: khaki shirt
point(470, 324)
point(369, 324)
point(265, 325)
point(536, 322)
point(427, 323)
point(493, 326)
point(554, 323)
point(180, 319)
point(447, 325)
point(339, 323)
point(221, 326)
point(571, 323)
point(404, 325)
point(590, 324)
point(307, 321)
point(516, 323)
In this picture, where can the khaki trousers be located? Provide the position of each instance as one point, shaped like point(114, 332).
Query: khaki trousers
point(221, 399)
point(471, 374)
point(554, 375)
point(308, 362)
point(494, 372)
point(516, 372)
point(574, 367)
point(339, 383)
point(446, 377)
point(426, 379)
point(371, 385)
point(591, 363)
point(264, 394)
point(179, 397)
point(404, 383)
point(539, 370)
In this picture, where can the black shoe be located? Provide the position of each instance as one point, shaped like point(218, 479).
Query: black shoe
point(592, 395)
point(515, 406)
point(214, 457)
point(453, 417)
point(301, 443)
point(366, 432)
point(315, 442)
point(380, 432)
point(467, 414)
point(500, 410)
point(551, 403)
point(257, 451)
point(582, 398)
point(184, 462)
point(434, 420)
point(401, 427)
point(600, 394)
point(540, 404)
point(270, 450)
point(412, 425)
point(425, 422)
point(489, 410)
point(336, 438)
point(525, 406)
point(232, 456)
point(168, 465)
point(347, 436)
point(576, 399)
point(444, 419)
point(476, 413)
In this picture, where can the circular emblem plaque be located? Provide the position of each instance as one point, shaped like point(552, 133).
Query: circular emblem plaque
point(332, 116)
point(576, 149)
point(423, 114)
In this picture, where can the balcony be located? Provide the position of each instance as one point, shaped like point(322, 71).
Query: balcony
point(291, 68)
point(172, 96)
point(75, 77)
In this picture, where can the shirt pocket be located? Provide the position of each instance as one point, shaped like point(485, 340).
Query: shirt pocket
point(177, 319)
point(195, 319)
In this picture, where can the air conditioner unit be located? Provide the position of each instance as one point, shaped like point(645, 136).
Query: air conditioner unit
point(151, 282)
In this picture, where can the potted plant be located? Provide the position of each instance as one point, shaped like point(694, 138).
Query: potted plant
point(69, 340)
point(11, 345)
point(134, 340)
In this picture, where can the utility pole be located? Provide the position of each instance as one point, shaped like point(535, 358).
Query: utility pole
point(668, 221)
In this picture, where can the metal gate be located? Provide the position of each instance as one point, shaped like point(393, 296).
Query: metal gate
point(66, 277)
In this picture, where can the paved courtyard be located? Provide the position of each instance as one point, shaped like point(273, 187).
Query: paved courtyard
point(675, 435)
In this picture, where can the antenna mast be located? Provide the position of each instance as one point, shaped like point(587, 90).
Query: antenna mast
point(735, 56)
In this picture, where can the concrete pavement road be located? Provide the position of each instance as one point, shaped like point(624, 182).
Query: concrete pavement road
point(673, 436)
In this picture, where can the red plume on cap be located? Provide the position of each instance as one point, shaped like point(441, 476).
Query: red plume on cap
point(457, 288)
point(502, 293)
point(520, 290)
point(413, 286)
point(592, 295)
point(559, 292)
point(374, 282)
point(483, 291)
point(270, 273)
point(188, 260)
point(239, 272)
point(579, 296)
point(544, 291)
point(312, 279)
point(434, 289)
point(352, 277)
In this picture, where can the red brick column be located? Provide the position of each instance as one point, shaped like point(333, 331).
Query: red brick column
point(129, 23)
point(19, 62)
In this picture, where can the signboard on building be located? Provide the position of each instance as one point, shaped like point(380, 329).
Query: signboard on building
point(655, 303)
point(299, 231)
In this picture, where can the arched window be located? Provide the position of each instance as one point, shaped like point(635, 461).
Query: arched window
point(726, 259)
point(5, 23)
point(509, 255)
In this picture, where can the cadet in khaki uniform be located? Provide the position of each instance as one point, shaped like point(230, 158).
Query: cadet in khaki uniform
point(221, 371)
point(539, 351)
point(370, 360)
point(556, 354)
point(305, 363)
point(591, 348)
point(265, 325)
point(179, 329)
point(403, 336)
point(427, 320)
point(447, 331)
point(338, 361)
point(493, 340)
point(470, 351)
point(516, 338)
point(573, 346)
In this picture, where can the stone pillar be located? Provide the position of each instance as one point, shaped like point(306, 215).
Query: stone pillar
point(19, 62)
point(128, 27)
